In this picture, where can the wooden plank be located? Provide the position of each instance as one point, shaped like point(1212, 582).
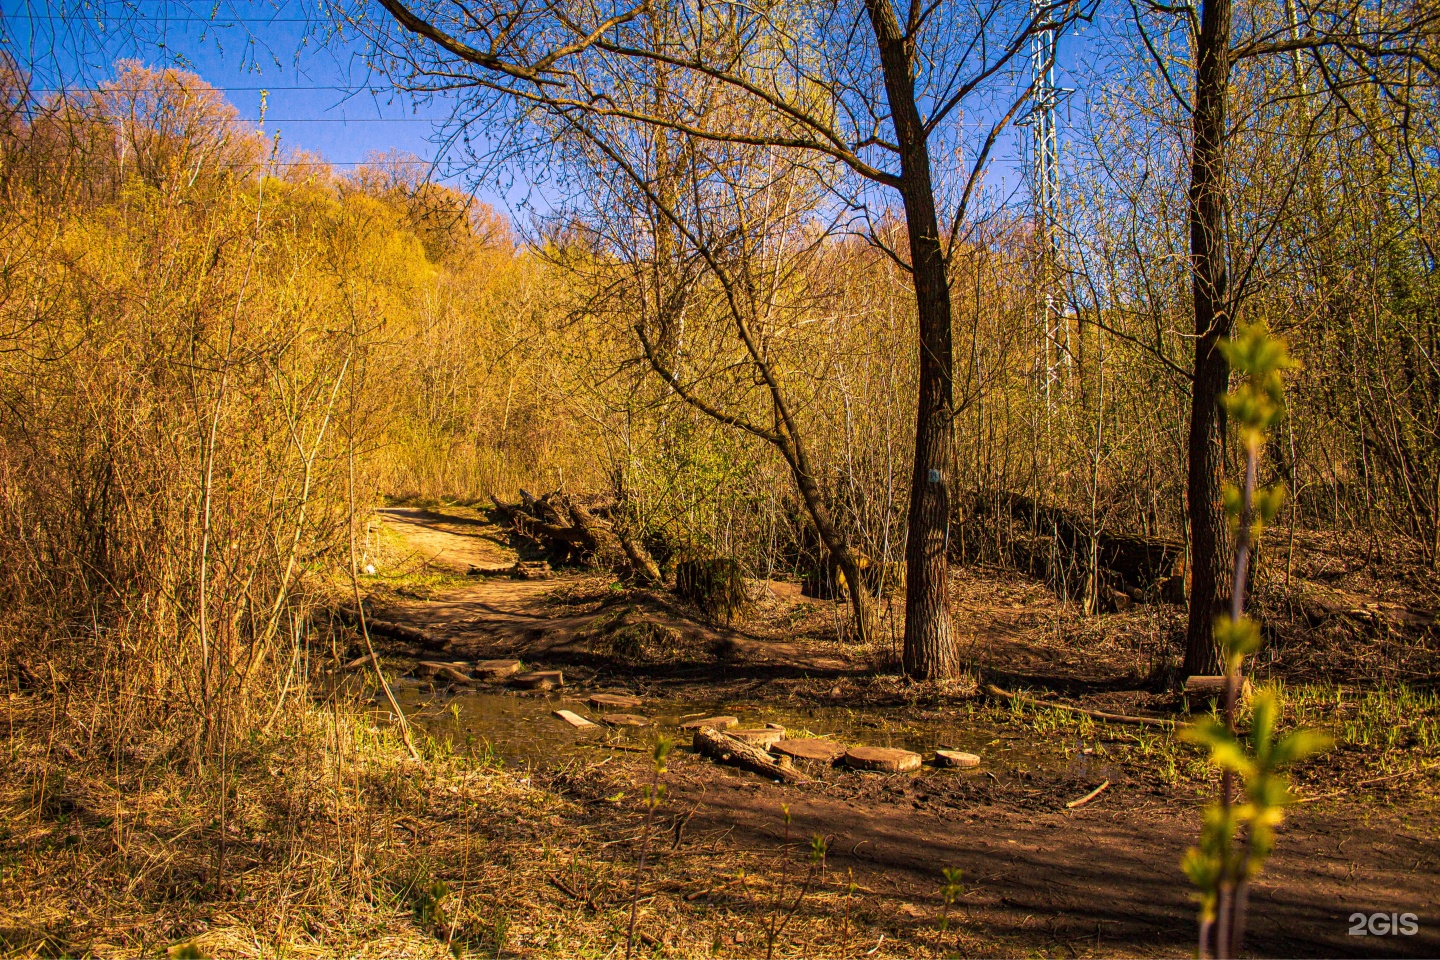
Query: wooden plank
point(574, 719)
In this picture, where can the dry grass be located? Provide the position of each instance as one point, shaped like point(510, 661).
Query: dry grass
point(336, 843)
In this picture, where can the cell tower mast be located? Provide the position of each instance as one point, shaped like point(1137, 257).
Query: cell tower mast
point(1044, 190)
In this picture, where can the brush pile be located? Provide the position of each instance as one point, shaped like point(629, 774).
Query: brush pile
point(584, 530)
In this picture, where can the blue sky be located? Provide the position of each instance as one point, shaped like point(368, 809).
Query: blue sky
point(319, 94)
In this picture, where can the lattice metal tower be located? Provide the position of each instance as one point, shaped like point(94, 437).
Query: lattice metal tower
point(1053, 328)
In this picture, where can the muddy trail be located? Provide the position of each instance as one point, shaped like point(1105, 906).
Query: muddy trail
point(1042, 878)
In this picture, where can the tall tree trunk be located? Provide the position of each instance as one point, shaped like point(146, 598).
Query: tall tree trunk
point(1209, 280)
point(929, 636)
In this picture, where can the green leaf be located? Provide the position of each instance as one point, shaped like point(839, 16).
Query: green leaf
point(1299, 744)
point(1237, 636)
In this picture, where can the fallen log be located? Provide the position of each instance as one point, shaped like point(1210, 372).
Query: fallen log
point(387, 628)
point(1054, 543)
point(1215, 687)
point(445, 671)
point(1317, 606)
point(642, 565)
point(711, 743)
point(403, 631)
point(995, 691)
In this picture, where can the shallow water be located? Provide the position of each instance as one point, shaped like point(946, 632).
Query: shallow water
point(522, 730)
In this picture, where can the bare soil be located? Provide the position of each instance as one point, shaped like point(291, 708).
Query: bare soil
point(1103, 879)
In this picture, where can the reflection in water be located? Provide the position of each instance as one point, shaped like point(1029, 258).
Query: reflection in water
point(523, 730)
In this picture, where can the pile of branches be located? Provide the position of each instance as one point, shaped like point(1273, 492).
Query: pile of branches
point(1052, 543)
point(585, 530)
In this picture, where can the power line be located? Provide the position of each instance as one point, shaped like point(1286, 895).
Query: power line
point(267, 89)
point(160, 19)
point(271, 120)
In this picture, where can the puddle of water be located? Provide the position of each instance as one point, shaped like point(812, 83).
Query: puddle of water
point(523, 730)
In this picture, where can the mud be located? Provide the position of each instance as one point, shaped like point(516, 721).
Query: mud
point(1103, 879)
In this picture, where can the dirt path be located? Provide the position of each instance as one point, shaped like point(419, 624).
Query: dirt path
point(1102, 880)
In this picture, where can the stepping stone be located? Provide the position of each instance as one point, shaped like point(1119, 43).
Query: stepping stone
point(759, 736)
point(955, 758)
point(496, 669)
point(826, 751)
point(613, 701)
point(540, 680)
point(441, 671)
point(574, 719)
point(883, 759)
point(626, 720)
point(719, 723)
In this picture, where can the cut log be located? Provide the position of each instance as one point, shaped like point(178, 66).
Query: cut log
point(475, 571)
point(504, 510)
point(719, 723)
point(360, 662)
point(884, 759)
point(1215, 687)
point(723, 748)
point(441, 671)
point(496, 669)
point(955, 758)
point(824, 751)
point(539, 680)
point(626, 720)
point(531, 570)
point(574, 719)
point(760, 736)
point(613, 701)
point(575, 529)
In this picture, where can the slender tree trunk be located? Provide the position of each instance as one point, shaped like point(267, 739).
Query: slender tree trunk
point(929, 636)
point(833, 540)
point(1208, 535)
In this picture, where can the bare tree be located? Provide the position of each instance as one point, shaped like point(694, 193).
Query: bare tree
point(1348, 42)
point(853, 85)
point(710, 279)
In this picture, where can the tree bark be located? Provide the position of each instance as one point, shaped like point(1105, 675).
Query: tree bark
point(929, 650)
point(724, 748)
point(831, 537)
point(1209, 281)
